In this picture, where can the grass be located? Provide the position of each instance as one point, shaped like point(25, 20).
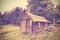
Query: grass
point(13, 33)
point(8, 28)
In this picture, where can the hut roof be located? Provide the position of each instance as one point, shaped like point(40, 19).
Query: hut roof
point(35, 17)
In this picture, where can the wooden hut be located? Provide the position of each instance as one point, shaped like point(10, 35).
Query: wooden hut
point(32, 23)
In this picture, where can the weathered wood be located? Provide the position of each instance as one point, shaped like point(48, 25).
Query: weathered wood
point(23, 26)
point(39, 25)
point(29, 26)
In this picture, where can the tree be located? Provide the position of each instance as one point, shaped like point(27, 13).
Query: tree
point(13, 17)
point(0, 19)
point(0, 14)
point(43, 8)
point(38, 6)
point(58, 7)
point(16, 15)
point(6, 18)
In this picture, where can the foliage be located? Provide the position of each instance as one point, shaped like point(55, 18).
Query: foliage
point(43, 8)
point(58, 7)
point(13, 17)
point(16, 15)
point(1, 19)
